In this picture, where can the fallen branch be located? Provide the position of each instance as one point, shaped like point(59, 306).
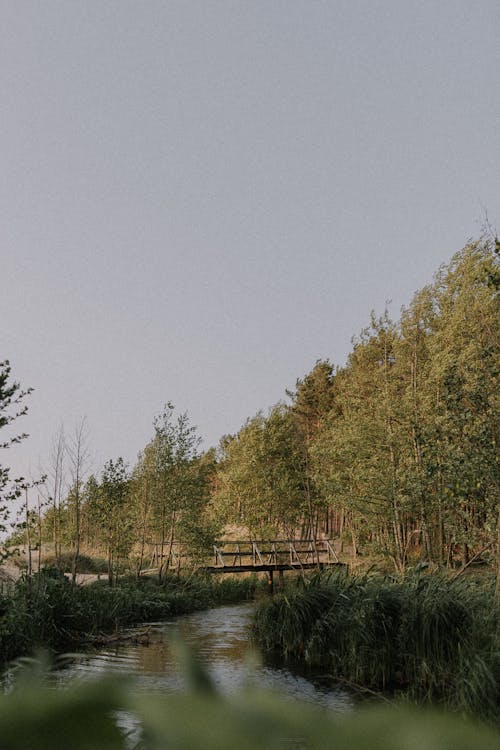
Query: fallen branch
point(464, 567)
point(103, 640)
point(355, 687)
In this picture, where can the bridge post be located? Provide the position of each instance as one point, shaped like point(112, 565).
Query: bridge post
point(271, 582)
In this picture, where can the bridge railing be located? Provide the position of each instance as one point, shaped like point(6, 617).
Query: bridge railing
point(295, 552)
point(257, 552)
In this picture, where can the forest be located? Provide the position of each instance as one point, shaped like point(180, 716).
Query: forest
point(392, 453)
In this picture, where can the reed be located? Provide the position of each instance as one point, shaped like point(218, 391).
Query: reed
point(45, 611)
point(429, 638)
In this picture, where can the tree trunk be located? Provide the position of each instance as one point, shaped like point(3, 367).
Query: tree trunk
point(497, 588)
point(39, 533)
point(28, 532)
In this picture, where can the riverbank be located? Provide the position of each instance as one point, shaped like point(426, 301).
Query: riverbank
point(210, 717)
point(426, 638)
point(45, 612)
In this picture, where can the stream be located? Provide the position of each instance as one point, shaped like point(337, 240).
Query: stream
point(221, 637)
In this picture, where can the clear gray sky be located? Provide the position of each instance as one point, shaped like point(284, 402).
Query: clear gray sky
point(200, 198)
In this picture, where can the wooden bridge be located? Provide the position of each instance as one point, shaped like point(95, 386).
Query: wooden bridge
point(259, 556)
point(266, 555)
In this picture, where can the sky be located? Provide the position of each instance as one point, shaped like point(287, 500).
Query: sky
point(199, 199)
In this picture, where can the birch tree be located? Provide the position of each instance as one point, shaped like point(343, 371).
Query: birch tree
point(78, 459)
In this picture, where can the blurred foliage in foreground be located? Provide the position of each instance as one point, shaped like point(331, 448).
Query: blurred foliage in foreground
point(87, 716)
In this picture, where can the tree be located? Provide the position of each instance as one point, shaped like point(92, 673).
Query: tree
point(360, 454)
point(78, 454)
point(464, 352)
point(11, 408)
point(141, 483)
point(30, 525)
point(108, 504)
point(54, 489)
point(260, 476)
point(177, 485)
point(312, 401)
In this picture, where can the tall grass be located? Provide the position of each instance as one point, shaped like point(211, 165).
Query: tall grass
point(45, 611)
point(436, 640)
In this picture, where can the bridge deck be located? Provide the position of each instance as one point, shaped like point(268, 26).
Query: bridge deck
point(267, 568)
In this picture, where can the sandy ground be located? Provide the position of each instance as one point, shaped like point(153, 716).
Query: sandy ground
point(10, 572)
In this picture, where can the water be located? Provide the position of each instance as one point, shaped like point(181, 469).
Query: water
point(221, 638)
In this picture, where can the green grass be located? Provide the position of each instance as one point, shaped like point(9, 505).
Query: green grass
point(434, 640)
point(85, 563)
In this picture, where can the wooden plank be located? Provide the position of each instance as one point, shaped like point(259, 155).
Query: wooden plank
point(267, 568)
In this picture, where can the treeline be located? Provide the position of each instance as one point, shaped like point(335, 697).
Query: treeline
point(394, 453)
point(135, 517)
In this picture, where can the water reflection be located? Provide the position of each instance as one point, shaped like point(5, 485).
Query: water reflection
point(221, 637)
